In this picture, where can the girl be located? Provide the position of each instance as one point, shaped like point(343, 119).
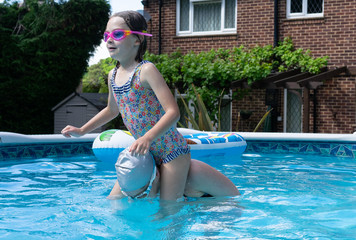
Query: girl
point(139, 93)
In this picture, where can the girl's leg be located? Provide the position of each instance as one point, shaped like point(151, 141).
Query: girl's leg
point(174, 176)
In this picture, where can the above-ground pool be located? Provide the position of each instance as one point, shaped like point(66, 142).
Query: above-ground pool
point(294, 190)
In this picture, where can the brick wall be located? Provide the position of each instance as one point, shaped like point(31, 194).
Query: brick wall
point(335, 106)
point(333, 35)
point(255, 102)
point(254, 26)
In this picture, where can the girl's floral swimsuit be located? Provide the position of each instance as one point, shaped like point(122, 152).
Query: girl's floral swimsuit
point(141, 110)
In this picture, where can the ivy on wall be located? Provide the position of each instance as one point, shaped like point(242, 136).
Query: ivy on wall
point(215, 70)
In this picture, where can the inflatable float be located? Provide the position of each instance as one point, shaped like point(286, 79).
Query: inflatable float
point(108, 145)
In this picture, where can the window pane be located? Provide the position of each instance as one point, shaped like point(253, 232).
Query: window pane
point(207, 17)
point(184, 15)
point(230, 6)
point(225, 119)
point(294, 112)
point(296, 6)
point(315, 6)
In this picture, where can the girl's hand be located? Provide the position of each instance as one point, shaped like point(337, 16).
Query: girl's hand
point(69, 131)
point(141, 146)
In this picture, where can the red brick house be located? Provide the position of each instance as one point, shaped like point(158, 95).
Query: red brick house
point(326, 27)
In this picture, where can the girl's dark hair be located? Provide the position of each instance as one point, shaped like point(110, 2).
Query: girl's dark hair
point(136, 22)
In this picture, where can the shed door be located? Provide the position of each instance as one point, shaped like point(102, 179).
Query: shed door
point(76, 115)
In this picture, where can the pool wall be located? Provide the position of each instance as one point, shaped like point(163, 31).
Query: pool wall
point(339, 145)
point(18, 146)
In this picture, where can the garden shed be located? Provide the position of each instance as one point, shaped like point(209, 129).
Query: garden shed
point(77, 109)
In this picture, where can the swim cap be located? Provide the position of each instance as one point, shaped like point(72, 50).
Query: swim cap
point(134, 172)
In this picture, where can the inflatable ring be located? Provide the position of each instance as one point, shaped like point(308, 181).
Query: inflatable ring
point(108, 145)
point(206, 144)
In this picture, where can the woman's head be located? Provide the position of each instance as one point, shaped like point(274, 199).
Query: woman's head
point(134, 173)
point(137, 23)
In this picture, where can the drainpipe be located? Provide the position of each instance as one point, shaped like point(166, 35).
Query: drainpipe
point(160, 26)
point(276, 25)
point(315, 128)
point(274, 113)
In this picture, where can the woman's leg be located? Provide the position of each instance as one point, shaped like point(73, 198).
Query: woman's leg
point(203, 178)
point(174, 176)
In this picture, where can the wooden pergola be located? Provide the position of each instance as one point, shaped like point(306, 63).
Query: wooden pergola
point(295, 79)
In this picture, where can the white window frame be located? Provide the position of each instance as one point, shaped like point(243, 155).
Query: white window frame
point(304, 13)
point(190, 32)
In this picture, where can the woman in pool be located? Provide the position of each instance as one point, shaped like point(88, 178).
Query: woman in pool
point(138, 177)
point(139, 93)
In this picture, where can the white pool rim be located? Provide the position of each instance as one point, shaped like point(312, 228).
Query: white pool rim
point(16, 138)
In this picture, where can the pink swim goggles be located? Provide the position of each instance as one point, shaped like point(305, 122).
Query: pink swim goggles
point(120, 34)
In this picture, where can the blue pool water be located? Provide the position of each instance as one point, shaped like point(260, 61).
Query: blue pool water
point(283, 197)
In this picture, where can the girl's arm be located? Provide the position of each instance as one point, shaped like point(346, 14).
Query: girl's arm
point(104, 116)
point(152, 78)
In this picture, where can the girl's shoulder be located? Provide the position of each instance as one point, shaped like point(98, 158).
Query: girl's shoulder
point(148, 66)
point(112, 71)
point(150, 75)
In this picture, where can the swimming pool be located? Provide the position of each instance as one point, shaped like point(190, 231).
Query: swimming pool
point(288, 195)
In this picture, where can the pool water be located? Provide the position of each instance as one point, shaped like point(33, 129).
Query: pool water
point(283, 197)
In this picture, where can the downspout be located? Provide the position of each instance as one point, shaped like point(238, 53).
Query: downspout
point(315, 101)
point(274, 113)
point(159, 27)
point(276, 24)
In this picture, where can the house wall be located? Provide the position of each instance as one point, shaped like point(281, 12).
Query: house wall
point(255, 102)
point(335, 106)
point(170, 42)
point(333, 35)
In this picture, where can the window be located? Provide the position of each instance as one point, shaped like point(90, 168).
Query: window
point(293, 111)
point(305, 8)
point(202, 17)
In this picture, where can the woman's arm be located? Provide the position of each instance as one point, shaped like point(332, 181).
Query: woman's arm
point(116, 192)
point(152, 78)
point(107, 114)
point(156, 184)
